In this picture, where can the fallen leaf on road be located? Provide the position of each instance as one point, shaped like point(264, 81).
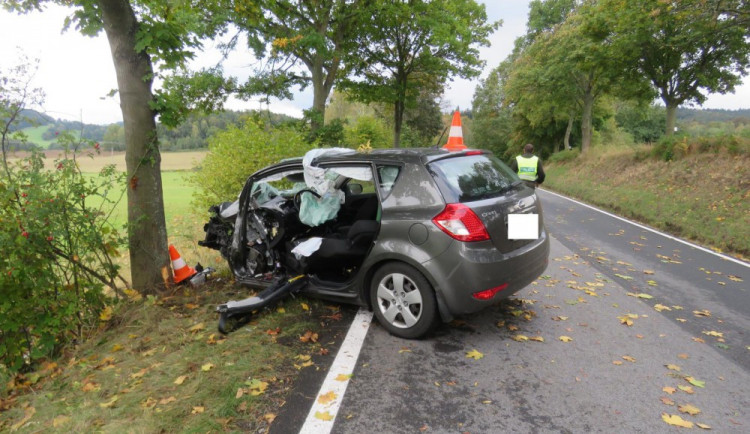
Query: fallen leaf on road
point(617, 362)
point(673, 367)
point(666, 401)
point(676, 420)
point(640, 295)
point(630, 359)
point(699, 340)
point(696, 383)
point(327, 398)
point(520, 338)
point(689, 409)
point(661, 307)
point(474, 354)
point(703, 313)
point(404, 350)
point(669, 390)
point(734, 278)
point(648, 272)
point(703, 426)
point(565, 338)
point(559, 318)
point(536, 339)
point(713, 333)
point(323, 416)
point(687, 389)
point(652, 283)
point(623, 276)
point(343, 377)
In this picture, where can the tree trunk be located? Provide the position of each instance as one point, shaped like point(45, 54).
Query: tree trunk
point(398, 118)
point(586, 120)
point(568, 130)
point(147, 233)
point(320, 94)
point(671, 118)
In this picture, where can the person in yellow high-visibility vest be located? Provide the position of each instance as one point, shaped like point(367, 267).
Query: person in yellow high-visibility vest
point(529, 167)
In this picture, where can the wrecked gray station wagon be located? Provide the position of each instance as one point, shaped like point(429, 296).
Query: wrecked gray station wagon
point(416, 235)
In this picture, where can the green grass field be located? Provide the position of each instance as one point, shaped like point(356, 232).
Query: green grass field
point(35, 136)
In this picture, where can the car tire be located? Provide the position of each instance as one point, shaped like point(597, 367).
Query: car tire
point(403, 301)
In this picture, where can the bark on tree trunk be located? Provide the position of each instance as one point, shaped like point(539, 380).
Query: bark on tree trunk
point(671, 118)
point(568, 130)
point(398, 118)
point(586, 121)
point(319, 98)
point(147, 233)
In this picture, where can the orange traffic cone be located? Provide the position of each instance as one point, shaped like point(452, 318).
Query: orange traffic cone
point(456, 136)
point(182, 271)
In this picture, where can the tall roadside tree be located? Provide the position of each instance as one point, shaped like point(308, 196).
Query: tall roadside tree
point(685, 48)
point(491, 128)
point(407, 46)
point(303, 42)
point(565, 71)
point(139, 32)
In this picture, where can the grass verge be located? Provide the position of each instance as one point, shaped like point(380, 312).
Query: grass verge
point(703, 197)
point(158, 365)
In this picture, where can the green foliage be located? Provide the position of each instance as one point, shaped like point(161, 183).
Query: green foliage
point(413, 46)
point(240, 151)
point(684, 49)
point(644, 123)
point(58, 256)
point(368, 129)
point(564, 156)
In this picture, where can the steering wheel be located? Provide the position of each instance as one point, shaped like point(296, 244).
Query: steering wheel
point(298, 197)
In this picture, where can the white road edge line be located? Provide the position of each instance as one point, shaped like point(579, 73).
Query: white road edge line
point(695, 246)
point(344, 363)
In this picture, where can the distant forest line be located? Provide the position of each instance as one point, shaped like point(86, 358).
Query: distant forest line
point(198, 128)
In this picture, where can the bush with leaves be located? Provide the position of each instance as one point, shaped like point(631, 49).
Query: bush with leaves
point(57, 243)
point(237, 153)
point(58, 255)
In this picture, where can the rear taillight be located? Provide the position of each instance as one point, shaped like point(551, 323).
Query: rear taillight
point(489, 293)
point(460, 222)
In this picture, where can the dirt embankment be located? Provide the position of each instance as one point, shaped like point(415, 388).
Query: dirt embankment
point(704, 197)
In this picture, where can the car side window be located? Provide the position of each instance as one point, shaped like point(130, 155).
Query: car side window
point(387, 177)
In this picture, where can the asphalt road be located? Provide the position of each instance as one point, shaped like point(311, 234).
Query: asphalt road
point(609, 339)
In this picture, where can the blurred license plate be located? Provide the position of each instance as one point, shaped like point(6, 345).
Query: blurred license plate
point(523, 226)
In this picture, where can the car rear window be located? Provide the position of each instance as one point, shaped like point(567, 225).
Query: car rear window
point(472, 177)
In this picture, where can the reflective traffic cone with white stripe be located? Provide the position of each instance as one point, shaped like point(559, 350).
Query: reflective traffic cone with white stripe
point(456, 136)
point(181, 270)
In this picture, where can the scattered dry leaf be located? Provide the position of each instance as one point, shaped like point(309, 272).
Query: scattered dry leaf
point(520, 338)
point(304, 306)
point(198, 410)
point(309, 337)
point(28, 413)
point(661, 307)
point(474, 354)
point(695, 382)
point(166, 401)
point(669, 390)
point(343, 377)
point(198, 327)
point(630, 359)
point(689, 409)
point(207, 367)
point(713, 333)
point(269, 417)
point(703, 426)
point(687, 389)
point(323, 416)
point(676, 420)
point(666, 401)
point(110, 403)
point(536, 339)
point(565, 338)
point(60, 421)
point(327, 398)
point(181, 379)
point(106, 314)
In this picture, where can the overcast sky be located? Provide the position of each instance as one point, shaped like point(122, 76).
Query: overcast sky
point(76, 72)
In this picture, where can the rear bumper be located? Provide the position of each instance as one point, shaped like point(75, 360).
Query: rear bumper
point(466, 268)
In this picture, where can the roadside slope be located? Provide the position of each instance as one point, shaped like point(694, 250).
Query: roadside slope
point(703, 197)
